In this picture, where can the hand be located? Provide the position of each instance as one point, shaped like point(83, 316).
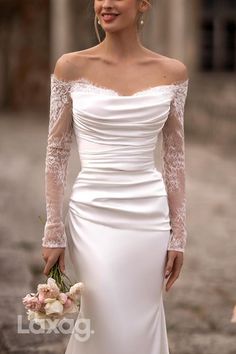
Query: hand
point(50, 256)
point(173, 266)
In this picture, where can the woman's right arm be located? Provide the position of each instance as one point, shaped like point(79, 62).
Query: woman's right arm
point(57, 155)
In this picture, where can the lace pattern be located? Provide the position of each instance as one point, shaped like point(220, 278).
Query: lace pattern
point(58, 99)
point(57, 155)
point(58, 152)
point(173, 167)
point(87, 85)
point(172, 170)
point(178, 221)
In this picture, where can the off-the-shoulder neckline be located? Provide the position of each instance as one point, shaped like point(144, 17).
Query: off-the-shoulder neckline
point(84, 80)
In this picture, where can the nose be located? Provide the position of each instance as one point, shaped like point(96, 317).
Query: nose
point(107, 4)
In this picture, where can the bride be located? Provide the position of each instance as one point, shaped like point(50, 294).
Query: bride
point(125, 229)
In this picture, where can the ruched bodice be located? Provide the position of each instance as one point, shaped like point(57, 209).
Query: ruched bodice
point(116, 138)
point(118, 132)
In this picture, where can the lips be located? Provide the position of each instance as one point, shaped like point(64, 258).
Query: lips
point(109, 16)
point(109, 13)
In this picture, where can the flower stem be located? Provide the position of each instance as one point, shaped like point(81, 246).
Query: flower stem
point(62, 280)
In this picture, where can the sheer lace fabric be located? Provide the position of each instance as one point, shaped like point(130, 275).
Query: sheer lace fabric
point(173, 167)
point(58, 152)
point(57, 156)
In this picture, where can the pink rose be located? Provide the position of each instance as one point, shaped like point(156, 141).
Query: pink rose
point(41, 297)
point(68, 303)
point(49, 290)
point(32, 303)
point(70, 307)
point(62, 298)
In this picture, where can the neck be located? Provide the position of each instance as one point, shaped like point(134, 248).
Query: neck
point(121, 46)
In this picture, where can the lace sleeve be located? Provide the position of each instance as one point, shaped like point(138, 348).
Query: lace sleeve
point(57, 155)
point(173, 167)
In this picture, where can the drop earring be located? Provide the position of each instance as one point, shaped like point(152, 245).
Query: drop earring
point(99, 21)
point(141, 21)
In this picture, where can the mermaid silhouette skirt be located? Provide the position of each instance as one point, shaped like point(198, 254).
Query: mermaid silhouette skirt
point(118, 232)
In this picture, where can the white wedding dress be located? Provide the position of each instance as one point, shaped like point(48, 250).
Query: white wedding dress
point(123, 213)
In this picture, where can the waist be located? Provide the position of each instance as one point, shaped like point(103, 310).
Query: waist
point(116, 166)
point(146, 181)
point(125, 160)
point(116, 154)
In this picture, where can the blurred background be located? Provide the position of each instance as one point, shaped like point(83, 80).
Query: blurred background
point(202, 34)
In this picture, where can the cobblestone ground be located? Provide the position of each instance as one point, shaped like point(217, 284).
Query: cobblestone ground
point(199, 305)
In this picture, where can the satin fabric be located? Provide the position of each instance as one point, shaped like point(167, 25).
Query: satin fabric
point(117, 223)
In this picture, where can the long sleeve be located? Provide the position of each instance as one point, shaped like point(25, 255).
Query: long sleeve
point(57, 155)
point(173, 167)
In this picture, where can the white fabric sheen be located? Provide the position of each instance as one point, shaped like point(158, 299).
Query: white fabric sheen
point(123, 274)
point(123, 213)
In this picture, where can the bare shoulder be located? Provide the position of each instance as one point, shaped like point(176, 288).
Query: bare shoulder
point(70, 66)
point(175, 69)
point(171, 70)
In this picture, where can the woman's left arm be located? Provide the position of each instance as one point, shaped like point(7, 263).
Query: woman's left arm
point(173, 170)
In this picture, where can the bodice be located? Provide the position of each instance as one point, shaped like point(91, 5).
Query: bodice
point(115, 131)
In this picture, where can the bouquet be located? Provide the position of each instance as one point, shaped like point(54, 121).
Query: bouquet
point(54, 299)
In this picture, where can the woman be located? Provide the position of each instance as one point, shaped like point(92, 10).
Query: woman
point(125, 226)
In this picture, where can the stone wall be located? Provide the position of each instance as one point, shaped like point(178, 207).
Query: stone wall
point(24, 54)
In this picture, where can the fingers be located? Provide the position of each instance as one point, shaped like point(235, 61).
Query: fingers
point(174, 276)
point(62, 262)
point(50, 256)
point(50, 263)
point(173, 267)
point(169, 264)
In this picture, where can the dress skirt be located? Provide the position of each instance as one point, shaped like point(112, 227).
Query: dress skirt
point(118, 229)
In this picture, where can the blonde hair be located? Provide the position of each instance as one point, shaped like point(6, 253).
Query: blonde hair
point(96, 24)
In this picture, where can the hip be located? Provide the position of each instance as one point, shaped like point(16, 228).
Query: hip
point(127, 200)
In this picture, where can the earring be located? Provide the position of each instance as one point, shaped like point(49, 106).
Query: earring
point(99, 21)
point(141, 21)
